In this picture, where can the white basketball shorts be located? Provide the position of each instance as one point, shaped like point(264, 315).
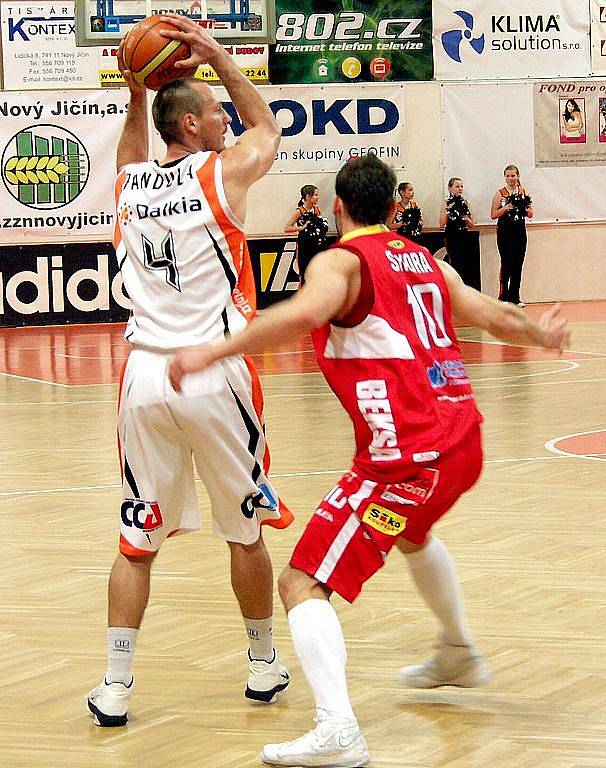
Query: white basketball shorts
point(218, 421)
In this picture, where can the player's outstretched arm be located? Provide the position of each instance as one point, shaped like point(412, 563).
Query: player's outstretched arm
point(327, 288)
point(134, 140)
point(255, 150)
point(505, 321)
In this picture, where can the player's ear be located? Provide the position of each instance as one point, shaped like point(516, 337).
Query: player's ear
point(337, 206)
point(392, 210)
point(189, 121)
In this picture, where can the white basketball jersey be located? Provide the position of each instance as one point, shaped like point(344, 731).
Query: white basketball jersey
point(182, 253)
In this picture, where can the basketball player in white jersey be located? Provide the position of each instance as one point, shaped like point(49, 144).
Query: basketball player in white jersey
point(182, 251)
point(379, 309)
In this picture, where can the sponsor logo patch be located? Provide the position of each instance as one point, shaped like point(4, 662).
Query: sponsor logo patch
point(144, 515)
point(384, 520)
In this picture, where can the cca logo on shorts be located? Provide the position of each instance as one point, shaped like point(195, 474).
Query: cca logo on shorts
point(144, 515)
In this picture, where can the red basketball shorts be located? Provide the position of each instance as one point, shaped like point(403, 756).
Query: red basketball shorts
point(353, 530)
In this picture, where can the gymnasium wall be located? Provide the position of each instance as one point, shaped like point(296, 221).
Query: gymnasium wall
point(468, 129)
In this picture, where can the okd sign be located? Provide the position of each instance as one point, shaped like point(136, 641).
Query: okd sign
point(323, 127)
point(499, 39)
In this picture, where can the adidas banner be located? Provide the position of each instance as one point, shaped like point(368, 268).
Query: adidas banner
point(56, 164)
point(510, 39)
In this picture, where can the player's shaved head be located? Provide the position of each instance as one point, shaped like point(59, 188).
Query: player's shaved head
point(174, 100)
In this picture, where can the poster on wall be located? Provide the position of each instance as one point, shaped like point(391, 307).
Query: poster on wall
point(598, 37)
point(358, 41)
point(39, 48)
point(570, 123)
point(510, 39)
point(56, 163)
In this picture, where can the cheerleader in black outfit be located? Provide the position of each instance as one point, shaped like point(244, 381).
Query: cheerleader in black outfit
point(311, 227)
point(407, 219)
point(456, 219)
point(511, 206)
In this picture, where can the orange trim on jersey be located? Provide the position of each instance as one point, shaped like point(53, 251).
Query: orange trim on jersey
point(122, 371)
point(244, 294)
point(505, 192)
point(117, 239)
point(286, 516)
point(127, 549)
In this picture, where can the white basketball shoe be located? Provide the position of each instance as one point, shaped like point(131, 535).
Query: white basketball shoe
point(108, 703)
point(457, 665)
point(266, 679)
point(333, 743)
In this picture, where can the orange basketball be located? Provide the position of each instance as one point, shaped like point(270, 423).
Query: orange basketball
point(150, 57)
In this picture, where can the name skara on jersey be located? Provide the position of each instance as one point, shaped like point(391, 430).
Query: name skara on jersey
point(395, 362)
point(182, 253)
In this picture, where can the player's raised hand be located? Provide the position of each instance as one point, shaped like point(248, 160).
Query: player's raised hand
point(134, 87)
point(555, 329)
point(203, 47)
point(189, 360)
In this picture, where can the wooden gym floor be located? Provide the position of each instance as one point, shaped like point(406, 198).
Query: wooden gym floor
point(529, 543)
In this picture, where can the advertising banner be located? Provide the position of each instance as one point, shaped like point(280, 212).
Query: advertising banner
point(39, 48)
point(39, 51)
point(276, 271)
point(323, 127)
point(570, 123)
point(56, 163)
point(510, 39)
point(60, 284)
point(598, 37)
point(358, 41)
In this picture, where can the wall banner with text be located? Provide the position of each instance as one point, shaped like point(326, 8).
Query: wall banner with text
point(57, 170)
point(570, 123)
point(510, 39)
point(361, 41)
point(39, 51)
point(39, 48)
point(322, 128)
point(57, 284)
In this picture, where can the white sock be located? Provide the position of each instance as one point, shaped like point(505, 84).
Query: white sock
point(318, 640)
point(434, 574)
point(121, 642)
point(260, 638)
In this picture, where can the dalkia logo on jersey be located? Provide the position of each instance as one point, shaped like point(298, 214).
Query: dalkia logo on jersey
point(384, 520)
point(45, 166)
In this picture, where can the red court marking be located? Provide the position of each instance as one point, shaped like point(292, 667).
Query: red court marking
point(588, 444)
point(93, 354)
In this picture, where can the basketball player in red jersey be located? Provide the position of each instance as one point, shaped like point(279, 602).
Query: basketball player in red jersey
point(380, 310)
point(182, 251)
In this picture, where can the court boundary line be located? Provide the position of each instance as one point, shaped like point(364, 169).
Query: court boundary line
point(550, 445)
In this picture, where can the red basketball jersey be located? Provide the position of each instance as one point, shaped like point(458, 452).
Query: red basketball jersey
point(395, 362)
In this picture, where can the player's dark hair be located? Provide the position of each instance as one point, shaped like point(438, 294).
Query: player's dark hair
point(172, 101)
point(365, 185)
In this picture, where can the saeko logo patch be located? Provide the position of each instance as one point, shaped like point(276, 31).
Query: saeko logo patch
point(45, 166)
point(385, 521)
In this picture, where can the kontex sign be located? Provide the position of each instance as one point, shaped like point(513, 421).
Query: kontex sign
point(501, 39)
